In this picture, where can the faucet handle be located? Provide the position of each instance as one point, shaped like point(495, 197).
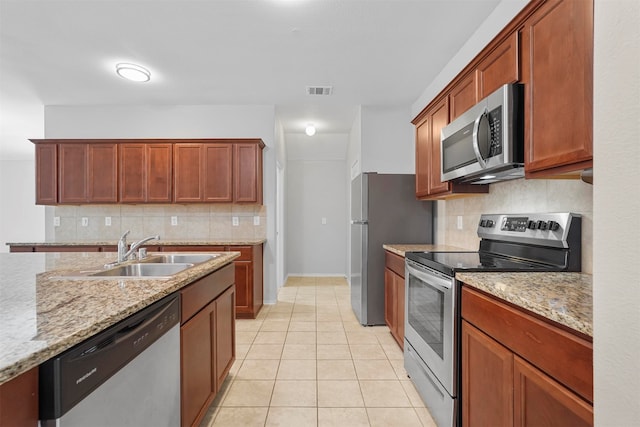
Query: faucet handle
point(125, 234)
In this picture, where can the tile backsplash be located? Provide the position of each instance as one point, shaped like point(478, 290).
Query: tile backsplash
point(518, 196)
point(194, 222)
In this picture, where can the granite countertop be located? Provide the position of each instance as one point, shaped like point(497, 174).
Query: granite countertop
point(400, 249)
point(219, 242)
point(43, 314)
point(565, 298)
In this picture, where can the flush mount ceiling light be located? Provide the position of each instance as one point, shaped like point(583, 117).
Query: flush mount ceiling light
point(133, 72)
point(310, 130)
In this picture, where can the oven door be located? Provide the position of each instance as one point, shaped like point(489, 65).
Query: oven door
point(429, 320)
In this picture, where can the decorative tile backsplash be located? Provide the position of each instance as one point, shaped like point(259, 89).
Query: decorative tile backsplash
point(518, 196)
point(193, 222)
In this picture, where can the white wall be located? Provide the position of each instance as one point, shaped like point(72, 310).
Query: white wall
point(316, 170)
point(387, 140)
point(616, 290)
point(181, 122)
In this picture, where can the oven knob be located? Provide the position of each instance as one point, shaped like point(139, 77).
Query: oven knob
point(542, 225)
point(553, 226)
point(490, 223)
point(532, 225)
point(483, 223)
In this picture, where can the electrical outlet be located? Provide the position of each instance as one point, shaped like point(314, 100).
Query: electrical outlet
point(107, 221)
point(459, 222)
point(56, 221)
point(235, 221)
point(85, 221)
point(174, 220)
point(256, 220)
point(324, 221)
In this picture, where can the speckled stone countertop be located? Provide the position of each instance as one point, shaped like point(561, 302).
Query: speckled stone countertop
point(565, 298)
point(42, 313)
point(220, 242)
point(400, 249)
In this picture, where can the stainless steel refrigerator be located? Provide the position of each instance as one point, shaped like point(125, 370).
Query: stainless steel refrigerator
point(384, 210)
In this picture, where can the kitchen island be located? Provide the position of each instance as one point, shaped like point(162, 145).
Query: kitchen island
point(43, 311)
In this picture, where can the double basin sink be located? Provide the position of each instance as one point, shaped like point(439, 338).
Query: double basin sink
point(154, 266)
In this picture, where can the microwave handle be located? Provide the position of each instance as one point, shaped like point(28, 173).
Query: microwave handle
point(475, 143)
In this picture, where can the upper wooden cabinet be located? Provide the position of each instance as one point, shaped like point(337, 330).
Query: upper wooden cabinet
point(149, 171)
point(428, 170)
point(557, 58)
point(548, 47)
point(218, 172)
point(87, 173)
point(145, 172)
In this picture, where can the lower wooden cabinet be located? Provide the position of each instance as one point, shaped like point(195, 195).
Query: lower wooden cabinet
point(207, 341)
point(394, 296)
point(520, 371)
point(19, 400)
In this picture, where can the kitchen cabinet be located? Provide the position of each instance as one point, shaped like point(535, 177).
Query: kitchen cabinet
point(499, 67)
point(557, 58)
point(207, 341)
point(145, 172)
point(394, 296)
point(46, 174)
point(428, 170)
point(518, 369)
point(463, 96)
point(87, 173)
point(19, 400)
point(218, 172)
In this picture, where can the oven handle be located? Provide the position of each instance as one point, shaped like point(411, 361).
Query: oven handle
point(430, 278)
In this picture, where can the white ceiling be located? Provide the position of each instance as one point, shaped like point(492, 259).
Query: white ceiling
point(240, 52)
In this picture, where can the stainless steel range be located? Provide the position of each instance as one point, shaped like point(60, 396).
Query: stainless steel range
point(512, 242)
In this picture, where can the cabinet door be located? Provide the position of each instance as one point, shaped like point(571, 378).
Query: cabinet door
point(557, 57)
point(541, 401)
point(390, 304)
point(46, 174)
point(463, 96)
point(132, 173)
point(244, 285)
point(499, 67)
point(224, 335)
point(439, 119)
point(195, 360)
point(102, 173)
point(19, 400)
point(247, 173)
point(423, 157)
point(188, 165)
point(487, 380)
point(72, 173)
point(159, 165)
point(399, 285)
point(218, 172)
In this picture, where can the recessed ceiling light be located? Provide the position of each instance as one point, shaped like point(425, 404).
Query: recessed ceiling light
point(133, 72)
point(310, 130)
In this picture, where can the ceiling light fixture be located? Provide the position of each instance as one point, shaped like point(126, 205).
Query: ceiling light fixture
point(310, 130)
point(133, 72)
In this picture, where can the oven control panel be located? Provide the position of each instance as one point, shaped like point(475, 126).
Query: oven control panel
point(540, 228)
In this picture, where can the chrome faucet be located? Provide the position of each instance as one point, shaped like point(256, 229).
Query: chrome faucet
point(123, 254)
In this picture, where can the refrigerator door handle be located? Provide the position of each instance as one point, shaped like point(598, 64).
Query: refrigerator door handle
point(358, 222)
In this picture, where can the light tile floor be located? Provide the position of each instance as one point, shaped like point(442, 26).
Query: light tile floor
point(306, 361)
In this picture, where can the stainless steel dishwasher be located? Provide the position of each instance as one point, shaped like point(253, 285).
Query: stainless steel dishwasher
point(127, 375)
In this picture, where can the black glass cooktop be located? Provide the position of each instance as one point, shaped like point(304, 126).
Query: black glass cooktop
point(451, 262)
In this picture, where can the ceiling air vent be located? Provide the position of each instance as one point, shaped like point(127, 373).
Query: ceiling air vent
point(319, 90)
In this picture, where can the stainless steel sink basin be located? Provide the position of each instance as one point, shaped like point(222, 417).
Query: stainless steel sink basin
point(181, 258)
point(143, 270)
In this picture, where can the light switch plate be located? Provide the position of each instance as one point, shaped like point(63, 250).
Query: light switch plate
point(174, 220)
point(85, 221)
point(256, 220)
point(107, 221)
point(459, 222)
point(56, 221)
point(235, 221)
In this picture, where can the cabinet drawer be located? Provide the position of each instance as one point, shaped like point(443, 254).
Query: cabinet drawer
point(562, 355)
point(394, 263)
point(202, 291)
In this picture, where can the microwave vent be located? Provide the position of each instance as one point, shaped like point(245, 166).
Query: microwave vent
point(319, 90)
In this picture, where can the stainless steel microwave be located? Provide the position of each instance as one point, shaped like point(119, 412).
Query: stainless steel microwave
point(486, 143)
